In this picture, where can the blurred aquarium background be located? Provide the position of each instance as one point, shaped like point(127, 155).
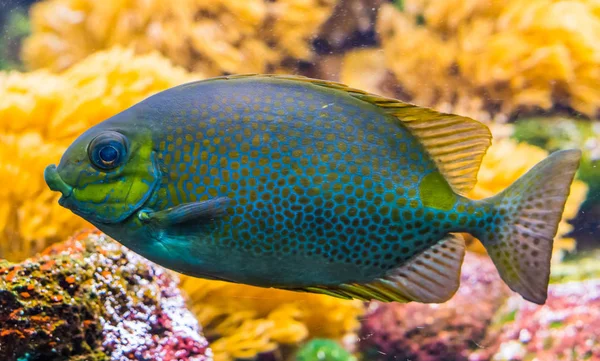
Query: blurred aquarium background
point(529, 69)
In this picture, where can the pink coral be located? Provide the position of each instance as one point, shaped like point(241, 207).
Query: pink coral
point(565, 328)
point(426, 332)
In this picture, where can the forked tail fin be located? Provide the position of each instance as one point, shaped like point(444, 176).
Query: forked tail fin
point(527, 215)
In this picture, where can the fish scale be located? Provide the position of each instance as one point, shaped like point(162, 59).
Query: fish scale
point(308, 185)
point(299, 165)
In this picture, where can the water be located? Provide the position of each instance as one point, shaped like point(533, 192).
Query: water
point(526, 69)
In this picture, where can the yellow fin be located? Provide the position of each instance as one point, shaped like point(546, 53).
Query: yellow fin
point(457, 144)
point(431, 277)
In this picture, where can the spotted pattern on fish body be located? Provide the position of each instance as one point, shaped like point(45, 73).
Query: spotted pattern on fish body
point(309, 185)
point(310, 172)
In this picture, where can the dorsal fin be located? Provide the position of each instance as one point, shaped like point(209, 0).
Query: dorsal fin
point(456, 144)
point(431, 277)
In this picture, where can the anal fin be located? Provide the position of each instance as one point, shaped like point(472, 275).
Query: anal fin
point(430, 277)
point(434, 275)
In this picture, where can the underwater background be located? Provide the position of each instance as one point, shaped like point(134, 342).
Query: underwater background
point(528, 69)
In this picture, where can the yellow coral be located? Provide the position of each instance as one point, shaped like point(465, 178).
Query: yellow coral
point(507, 160)
point(29, 214)
point(40, 115)
point(212, 36)
point(248, 320)
point(364, 69)
point(508, 53)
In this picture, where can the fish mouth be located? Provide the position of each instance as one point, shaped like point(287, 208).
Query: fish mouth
point(55, 183)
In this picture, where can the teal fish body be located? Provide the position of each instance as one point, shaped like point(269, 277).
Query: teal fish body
point(308, 185)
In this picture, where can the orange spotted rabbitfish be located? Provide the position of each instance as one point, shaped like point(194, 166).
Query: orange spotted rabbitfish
point(309, 185)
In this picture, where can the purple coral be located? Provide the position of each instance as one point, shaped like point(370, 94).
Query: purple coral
point(449, 331)
point(566, 328)
point(90, 298)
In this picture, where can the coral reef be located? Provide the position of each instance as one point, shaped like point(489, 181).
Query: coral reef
point(422, 332)
point(565, 328)
point(91, 299)
point(453, 54)
point(41, 114)
point(211, 36)
point(43, 111)
point(323, 350)
point(450, 55)
point(243, 321)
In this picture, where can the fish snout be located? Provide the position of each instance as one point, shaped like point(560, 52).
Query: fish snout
point(55, 182)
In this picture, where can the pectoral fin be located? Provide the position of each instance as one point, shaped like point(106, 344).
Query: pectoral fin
point(188, 212)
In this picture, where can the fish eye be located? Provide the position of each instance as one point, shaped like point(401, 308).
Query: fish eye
point(108, 150)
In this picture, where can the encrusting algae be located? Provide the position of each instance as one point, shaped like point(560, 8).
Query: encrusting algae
point(211, 36)
point(499, 55)
point(88, 298)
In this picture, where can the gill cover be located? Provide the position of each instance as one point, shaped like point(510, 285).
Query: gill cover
point(112, 172)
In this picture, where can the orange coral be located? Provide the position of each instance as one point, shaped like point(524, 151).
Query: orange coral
point(212, 36)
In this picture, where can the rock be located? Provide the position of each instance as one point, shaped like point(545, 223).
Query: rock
point(449, 331)
point(565, 328)
point(351, 25)
point(91, 299)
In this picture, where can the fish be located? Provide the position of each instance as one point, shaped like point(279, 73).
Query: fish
point(288, 182)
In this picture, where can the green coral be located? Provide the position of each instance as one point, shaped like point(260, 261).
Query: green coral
point(15, 28)
point(552, 133)
point(324, 350)
point(555, 133)
point(577, 268)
